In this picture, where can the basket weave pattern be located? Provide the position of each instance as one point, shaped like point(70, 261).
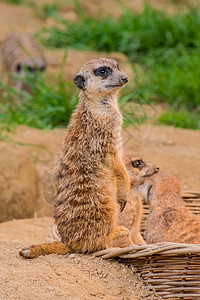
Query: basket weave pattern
point(171, 269)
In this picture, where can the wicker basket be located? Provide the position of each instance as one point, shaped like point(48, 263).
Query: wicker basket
point(171, 269)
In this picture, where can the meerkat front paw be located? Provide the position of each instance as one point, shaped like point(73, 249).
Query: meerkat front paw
point(123, 231)
point(122, 239)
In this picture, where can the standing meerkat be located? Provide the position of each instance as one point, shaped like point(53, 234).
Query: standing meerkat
point(92, 181)
point(138, 171)
point(169, 219)
point(19, 53)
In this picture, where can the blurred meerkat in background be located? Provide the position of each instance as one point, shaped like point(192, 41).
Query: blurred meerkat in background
point(20, 53)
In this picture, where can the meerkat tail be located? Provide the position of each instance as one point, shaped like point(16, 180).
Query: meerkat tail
point(45, 249)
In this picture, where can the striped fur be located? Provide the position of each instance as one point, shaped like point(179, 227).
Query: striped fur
point(19, 51)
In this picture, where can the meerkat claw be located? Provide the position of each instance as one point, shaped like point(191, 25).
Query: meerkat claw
point(122, 205)
point(25, 253)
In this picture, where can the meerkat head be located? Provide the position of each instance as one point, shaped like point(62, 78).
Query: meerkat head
point(31, 65)
point(138, 169)
point(100, 76)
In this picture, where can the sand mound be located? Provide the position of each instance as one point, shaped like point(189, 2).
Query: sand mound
point(73, 277)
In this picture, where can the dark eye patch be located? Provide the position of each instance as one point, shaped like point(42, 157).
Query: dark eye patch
point(18, 68)
point(104, 72)
point(31, 69)
point(42, 68)
point(138, 164)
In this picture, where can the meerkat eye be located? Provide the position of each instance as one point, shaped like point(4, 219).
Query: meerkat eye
point(103, 72)
point(137, 163)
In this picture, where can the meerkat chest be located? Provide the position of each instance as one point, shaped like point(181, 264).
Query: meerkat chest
point(116, 119)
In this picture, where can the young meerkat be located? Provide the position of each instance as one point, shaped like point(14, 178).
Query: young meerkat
point(92, 181)
point(138, 171)
point(169, 219)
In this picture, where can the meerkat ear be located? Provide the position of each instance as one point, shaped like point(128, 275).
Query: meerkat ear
point(80, 81)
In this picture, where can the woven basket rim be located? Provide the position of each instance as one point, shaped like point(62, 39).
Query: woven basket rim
point(139, 251)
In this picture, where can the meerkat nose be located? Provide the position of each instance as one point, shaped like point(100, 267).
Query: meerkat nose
point(157, 168)
point(124, 79)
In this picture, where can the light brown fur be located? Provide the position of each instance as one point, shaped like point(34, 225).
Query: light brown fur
point(92, 180)
point(169, 219)
point(138, 171)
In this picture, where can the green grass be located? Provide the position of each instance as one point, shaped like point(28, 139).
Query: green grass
point(167, 47)
point(50, 104)
point(174, 79)
point(182, 119)
point(15, 2)
point(48, 10)
point(133, 34)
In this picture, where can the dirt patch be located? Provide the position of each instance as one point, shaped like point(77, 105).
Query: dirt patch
point(18, 181)
point(14, 18)
point(75, 277)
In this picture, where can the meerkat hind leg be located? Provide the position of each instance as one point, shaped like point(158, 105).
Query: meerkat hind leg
point(44, 249)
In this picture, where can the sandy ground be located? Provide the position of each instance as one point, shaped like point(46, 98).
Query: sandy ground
point(73, 277)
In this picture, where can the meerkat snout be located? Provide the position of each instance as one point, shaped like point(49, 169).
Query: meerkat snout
point(100, 77)
point(124, 79)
